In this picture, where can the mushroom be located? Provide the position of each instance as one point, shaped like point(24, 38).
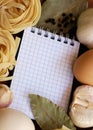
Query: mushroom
point(81, 109)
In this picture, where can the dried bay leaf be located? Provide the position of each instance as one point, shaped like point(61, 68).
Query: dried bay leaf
point(52, 15)
point(48, 115)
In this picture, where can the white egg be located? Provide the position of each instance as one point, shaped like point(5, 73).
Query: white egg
point(11, 119)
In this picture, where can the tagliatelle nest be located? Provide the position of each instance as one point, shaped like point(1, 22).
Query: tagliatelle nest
point(8, 49)
point(16, 15)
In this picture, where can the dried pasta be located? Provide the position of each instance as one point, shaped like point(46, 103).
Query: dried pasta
point(16, 15)
point(8, 49)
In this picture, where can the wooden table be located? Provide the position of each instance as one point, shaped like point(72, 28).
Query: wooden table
point(90, 3)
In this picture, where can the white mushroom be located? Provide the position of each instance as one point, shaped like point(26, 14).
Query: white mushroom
point(81, 109)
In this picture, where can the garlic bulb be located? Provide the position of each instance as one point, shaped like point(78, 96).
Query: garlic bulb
point(6, 96)
point(85, 28)
point(81, 109)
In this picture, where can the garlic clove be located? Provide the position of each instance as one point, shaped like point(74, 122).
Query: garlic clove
point(81, 109)
point(6, 96)
point(84, 92)
point(82, 117)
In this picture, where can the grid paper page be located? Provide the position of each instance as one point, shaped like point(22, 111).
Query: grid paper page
point(44, 67)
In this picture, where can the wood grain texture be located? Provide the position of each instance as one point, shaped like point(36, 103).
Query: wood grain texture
point(90, 3)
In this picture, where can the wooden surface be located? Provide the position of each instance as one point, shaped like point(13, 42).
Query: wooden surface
point(90, 3)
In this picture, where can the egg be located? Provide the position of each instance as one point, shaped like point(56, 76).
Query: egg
point(12, 119)
point(83, 68)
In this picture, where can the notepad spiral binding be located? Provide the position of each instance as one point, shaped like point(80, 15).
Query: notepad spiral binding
point(59, 39)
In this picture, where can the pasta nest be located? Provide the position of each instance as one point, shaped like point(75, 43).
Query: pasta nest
point(8, 49)
point(16, 15)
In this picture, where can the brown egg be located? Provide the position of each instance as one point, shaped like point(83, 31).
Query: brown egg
point(83, 68)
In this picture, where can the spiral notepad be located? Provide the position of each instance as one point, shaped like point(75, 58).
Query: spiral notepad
point(44, 67)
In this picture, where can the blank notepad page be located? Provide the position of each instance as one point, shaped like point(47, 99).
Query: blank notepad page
point(44, 67)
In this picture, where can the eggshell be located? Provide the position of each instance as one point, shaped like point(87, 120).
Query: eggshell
point(83, 68)
point(11, 119)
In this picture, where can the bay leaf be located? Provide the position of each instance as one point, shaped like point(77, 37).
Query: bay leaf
point(53, 12)
point(48, 115)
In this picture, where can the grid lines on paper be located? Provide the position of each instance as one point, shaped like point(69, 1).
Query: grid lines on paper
point(44, 67)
